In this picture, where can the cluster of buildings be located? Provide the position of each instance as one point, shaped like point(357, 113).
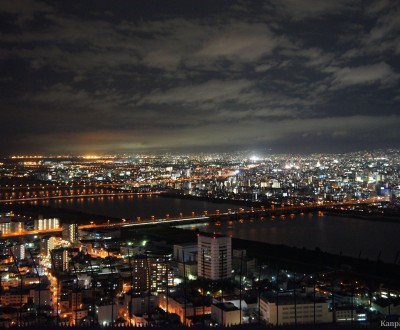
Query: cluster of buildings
point(80, 278)
point(11, 223)
point(69, 276)
point(288, 179)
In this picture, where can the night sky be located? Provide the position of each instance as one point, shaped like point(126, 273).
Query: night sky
point(168, 76)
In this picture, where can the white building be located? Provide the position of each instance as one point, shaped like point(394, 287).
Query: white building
point(214, 256)
point(225, 314)
point(70, 232)
point(46, 224)
point(283, 311)
point(185, 252)
point(5, 227)
point(48, 244)
point(8, 226)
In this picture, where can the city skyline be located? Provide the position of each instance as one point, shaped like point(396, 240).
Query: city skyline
point(283, 76)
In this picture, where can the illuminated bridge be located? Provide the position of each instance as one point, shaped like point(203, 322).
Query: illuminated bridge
point(217, 216)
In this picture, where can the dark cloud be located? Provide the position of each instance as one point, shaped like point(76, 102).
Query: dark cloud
point(380, 73)
point(293, 75)
point(305, 9)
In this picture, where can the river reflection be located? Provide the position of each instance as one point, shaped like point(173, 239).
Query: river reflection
point(144, 206)
point(349, 236)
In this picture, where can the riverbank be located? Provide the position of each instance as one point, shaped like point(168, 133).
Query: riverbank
point(387, 216)
point(394, 217)
point(65, 215)
point(275, 255)
point(214, 200)
point(309, 261)
point(294, 259)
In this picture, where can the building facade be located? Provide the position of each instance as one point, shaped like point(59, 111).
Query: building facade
point(214, 256)
point(46, 224)
point(286, 310)
point(70, 232)
point(225, 314)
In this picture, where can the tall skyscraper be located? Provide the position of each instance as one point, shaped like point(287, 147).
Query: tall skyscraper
point(215, 256)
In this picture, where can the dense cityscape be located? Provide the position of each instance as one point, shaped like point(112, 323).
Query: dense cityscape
point(288, 179)
point(176, 164)
point(67, 272)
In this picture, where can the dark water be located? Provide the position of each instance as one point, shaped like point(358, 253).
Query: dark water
point(349, 236)
point(144, 206)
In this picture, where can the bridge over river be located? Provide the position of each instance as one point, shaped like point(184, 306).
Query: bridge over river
point(273, 212)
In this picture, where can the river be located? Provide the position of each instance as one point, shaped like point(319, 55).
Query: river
point(349, 236)
point(143, 206)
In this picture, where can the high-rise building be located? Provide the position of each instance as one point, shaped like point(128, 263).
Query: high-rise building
point(17, 226)
point(151, 273)
point(70, 232)
point(60, 259)
point(47, 244)
point(214, 256)
point(75, 299)
point(11, 224)
point(5, 227)
point(18, 251)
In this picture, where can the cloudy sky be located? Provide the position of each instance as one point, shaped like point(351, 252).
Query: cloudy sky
point(130, 76)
